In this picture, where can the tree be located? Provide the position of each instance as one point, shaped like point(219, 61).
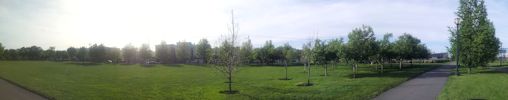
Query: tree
point(319, 54)
point(203, 50)
point(113, 54)
point(333, 51)
point(49, 54)
point(246, 52)
point(183, 51)
point(307, 56)
point(97, 53)
point(405, 47)
point(1, 50)
point(129, 53)
point(61, 55)
point(385, 53)
point(162, 52)
point(82, 54)
point(72, 52)
point(228, 56)
point(477, 42)
point(266, 54)
point(360, 46)
point(10, 54)
point(288, 55)
point(145, 53)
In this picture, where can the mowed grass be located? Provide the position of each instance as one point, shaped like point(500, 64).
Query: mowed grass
point(66, 80)
point(482, 83)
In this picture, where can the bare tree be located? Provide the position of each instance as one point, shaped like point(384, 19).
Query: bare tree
point(227, 58)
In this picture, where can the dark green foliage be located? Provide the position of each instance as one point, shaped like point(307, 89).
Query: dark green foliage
point(129, 53)
point(97, 53)
point(145, 53)
point(73, 53)
point(184, 52)
point(246, 52)
point(266, 54)
point(203, 51)
point(162, 53)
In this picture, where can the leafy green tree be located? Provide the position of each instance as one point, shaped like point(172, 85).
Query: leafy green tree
point(203, 50)
point(333, 51)
point(246, 52)
point(360, 46)
point(130, 53)
point(266, 54)
point(385, 53)
point(97, 53)
point(72, 52)
point(288, 53)
point(113, 54)
point(308, 57)
point(11, 54)
point(145, 53)
point(162, 52)
point(49, 54)
point(61, 55)
point(82, 54)
point(405, 48)
point(477, 42)
point(319, 53)
point(183, 51)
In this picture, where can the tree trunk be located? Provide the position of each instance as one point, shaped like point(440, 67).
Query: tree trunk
point(469, 70)
point(286, 65)
point(411, 62)
point(382, 66)
point(400, 64)
point(229, 82)
point(308, 74)
point(354, 70)
point(326, 70)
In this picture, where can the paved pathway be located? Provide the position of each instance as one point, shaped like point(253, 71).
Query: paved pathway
point(9, 91)
point(424, 87)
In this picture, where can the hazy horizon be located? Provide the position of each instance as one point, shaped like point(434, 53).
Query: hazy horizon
point(66, 23)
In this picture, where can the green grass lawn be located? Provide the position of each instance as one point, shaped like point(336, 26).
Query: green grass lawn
point(66, 80)
point(481, 83)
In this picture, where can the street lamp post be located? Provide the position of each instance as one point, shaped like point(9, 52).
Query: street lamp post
point(457, 23)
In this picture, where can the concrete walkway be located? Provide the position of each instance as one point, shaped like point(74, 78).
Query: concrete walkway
point(10, 91)
point(424, 87)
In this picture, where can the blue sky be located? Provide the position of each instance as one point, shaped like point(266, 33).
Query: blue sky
point(65, 23)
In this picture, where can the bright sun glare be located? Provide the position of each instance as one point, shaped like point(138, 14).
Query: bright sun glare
point(119, 22)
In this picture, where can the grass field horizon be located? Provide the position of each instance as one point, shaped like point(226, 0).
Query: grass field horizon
point(67, 80)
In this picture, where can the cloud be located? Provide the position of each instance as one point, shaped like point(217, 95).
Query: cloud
point(65, 23)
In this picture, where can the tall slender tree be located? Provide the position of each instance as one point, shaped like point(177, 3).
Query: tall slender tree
point(227, 59)
point(476, 39)
point(288, 53)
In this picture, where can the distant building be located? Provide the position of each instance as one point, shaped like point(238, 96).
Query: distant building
point(502, 53)
point(439, 56)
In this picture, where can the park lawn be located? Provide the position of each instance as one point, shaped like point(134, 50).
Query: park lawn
point(481, 83)
point(67, 80)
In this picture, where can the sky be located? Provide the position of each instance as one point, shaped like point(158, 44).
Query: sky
point(65, 23)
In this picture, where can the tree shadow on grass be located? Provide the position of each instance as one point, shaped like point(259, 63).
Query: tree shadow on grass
point(84, 63)
point(494, 72)
point(172, 65)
